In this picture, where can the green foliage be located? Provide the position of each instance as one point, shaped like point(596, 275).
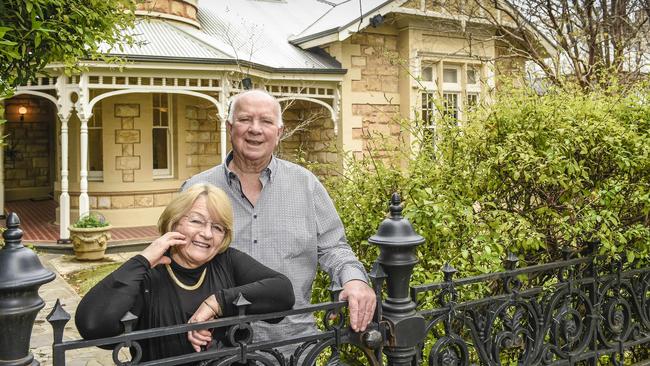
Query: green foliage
point(529, 174)
point(91, 220)
point(34, 33)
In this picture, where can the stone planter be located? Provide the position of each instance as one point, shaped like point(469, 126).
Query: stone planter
point(90, 243)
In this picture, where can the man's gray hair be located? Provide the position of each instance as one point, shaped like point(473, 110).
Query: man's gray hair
point(235, 99)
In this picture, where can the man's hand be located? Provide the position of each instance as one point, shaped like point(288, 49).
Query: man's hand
point(361, 303)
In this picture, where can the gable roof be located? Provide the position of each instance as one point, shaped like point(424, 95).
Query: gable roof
point(342, 19)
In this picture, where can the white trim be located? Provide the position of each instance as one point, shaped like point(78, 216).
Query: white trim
point(330, 38)
point(225, 102)
point(151, 90)
point(210, 69)
point(456, 107)
point(169, 172)
point(454, 87)
point(38, 94)
point(64, 111)
point(84, 112)
point(344, 32)
point(329, 108)
point(96, 175)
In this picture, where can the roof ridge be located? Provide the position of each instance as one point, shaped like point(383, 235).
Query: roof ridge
point(333, 6)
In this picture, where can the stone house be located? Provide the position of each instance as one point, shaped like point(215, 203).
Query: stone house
point(121, 138)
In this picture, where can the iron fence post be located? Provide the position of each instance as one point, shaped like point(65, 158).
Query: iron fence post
point(21, 275)
point(397, 242)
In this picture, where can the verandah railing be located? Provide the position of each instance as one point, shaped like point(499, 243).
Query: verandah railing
point(582, 310)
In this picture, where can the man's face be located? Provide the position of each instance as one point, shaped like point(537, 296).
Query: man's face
point(254, 131)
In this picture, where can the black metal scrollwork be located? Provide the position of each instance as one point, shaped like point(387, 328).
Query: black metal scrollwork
point(588, 312)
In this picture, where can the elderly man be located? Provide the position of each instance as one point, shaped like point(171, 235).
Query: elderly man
point(284, 218)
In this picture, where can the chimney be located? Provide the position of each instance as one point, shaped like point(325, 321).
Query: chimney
point(183, 11)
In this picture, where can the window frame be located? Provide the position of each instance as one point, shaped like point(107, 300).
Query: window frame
point(471, 106)
point(429, 112)
point(456, 107)
point(96, 175)
point(157, 110)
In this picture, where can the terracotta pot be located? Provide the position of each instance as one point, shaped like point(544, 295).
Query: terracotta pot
point(90, 243)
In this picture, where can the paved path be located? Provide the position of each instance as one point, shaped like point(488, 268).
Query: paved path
point(37, 219)
point(41, 341)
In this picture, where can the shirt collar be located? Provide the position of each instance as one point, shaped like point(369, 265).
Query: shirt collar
point(269, 171)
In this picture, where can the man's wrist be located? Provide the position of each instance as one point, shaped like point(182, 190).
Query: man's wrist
point(353, 274)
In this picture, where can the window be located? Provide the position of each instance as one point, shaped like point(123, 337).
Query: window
point(450, 104)
point(471, 76)
point(450, 75)
point(472, 100)
point(428, 114)
point(427, 73)
point(459, 90)
point(161, 136)
point(95, 150)
point(428, 108)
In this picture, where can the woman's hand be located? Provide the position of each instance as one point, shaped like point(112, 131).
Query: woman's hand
point(155, 252)
point(208, 310)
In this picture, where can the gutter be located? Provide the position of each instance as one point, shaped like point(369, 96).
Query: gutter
point(211, 61)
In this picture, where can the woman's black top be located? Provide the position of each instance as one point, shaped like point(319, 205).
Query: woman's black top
point(157, 301)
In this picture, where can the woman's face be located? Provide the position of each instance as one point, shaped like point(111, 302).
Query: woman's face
point(203, 235)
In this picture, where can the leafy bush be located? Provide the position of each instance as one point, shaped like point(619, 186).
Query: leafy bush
point(528, 174)
point(91, 220)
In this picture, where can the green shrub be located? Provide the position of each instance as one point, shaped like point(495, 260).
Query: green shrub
point(91, 220)
point(529, 174)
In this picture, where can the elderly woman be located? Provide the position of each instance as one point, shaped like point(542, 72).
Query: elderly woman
point(187, 275)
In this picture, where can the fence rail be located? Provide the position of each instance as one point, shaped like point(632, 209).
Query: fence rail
point(582, 310)
point(585, 310)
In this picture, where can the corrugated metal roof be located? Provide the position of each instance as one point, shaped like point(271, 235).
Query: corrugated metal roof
point(259, 31)
point(340, 16)
point(162, 39)
point(248, 31)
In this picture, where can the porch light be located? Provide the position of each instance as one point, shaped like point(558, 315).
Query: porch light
point(247, 83)
point(22, 111)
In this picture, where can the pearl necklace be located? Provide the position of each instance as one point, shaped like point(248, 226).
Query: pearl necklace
point(181, 284)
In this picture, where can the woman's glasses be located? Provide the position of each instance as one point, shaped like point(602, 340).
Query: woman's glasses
point(199, 222)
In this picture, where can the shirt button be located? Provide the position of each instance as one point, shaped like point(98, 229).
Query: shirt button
point(255, 216)
point(255, 241)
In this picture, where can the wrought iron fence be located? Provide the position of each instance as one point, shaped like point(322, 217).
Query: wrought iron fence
point(582, 310)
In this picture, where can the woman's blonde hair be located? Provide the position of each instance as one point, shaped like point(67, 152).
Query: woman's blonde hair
point(218, 204)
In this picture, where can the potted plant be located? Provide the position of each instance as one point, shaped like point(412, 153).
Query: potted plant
point(89, 236)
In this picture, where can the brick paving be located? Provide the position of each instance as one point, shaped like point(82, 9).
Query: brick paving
point(37, 219)
point(41, 341)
